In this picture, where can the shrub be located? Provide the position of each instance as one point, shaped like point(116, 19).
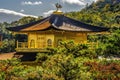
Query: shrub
point(7, 46)
point(104, 69)
point(41, 57)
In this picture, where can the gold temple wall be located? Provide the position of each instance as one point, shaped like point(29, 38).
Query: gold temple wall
point(51, 38)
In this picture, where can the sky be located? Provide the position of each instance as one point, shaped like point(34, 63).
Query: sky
point(37, 8)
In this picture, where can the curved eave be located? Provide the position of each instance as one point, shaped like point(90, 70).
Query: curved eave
point(89, 31)
point(49, 26)
point(21, 27)
point(53, 27)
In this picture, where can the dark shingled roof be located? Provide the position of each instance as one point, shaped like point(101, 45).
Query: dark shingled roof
point(59, 22)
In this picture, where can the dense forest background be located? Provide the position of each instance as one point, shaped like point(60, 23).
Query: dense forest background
point(70, 61)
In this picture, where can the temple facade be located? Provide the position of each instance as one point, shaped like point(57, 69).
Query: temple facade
point(48, 32)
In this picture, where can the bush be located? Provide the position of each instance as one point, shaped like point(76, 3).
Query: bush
point(80, 50)
point(109, 44)
point(104, 69)
point(7, 46)
point(13, 70)
point(41, 57)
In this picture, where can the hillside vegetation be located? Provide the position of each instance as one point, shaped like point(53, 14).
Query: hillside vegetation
point(102, 13)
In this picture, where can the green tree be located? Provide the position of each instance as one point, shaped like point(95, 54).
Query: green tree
point(26, 20)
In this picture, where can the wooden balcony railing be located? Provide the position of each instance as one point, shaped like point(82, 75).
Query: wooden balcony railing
point(23, 47)
point(22, 44)
point(91, 45)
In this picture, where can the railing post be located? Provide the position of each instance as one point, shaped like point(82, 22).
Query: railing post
point(17, 43)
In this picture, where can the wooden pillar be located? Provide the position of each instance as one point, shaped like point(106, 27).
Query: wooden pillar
point(17, 44)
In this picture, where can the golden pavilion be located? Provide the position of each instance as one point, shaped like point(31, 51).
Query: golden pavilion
point(49, 31)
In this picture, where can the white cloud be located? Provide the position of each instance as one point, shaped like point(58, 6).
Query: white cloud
point(78, 2)
point(22, 10)
point(15, 13)
point(31, 3)
point(48, 13)
point(95, 0)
